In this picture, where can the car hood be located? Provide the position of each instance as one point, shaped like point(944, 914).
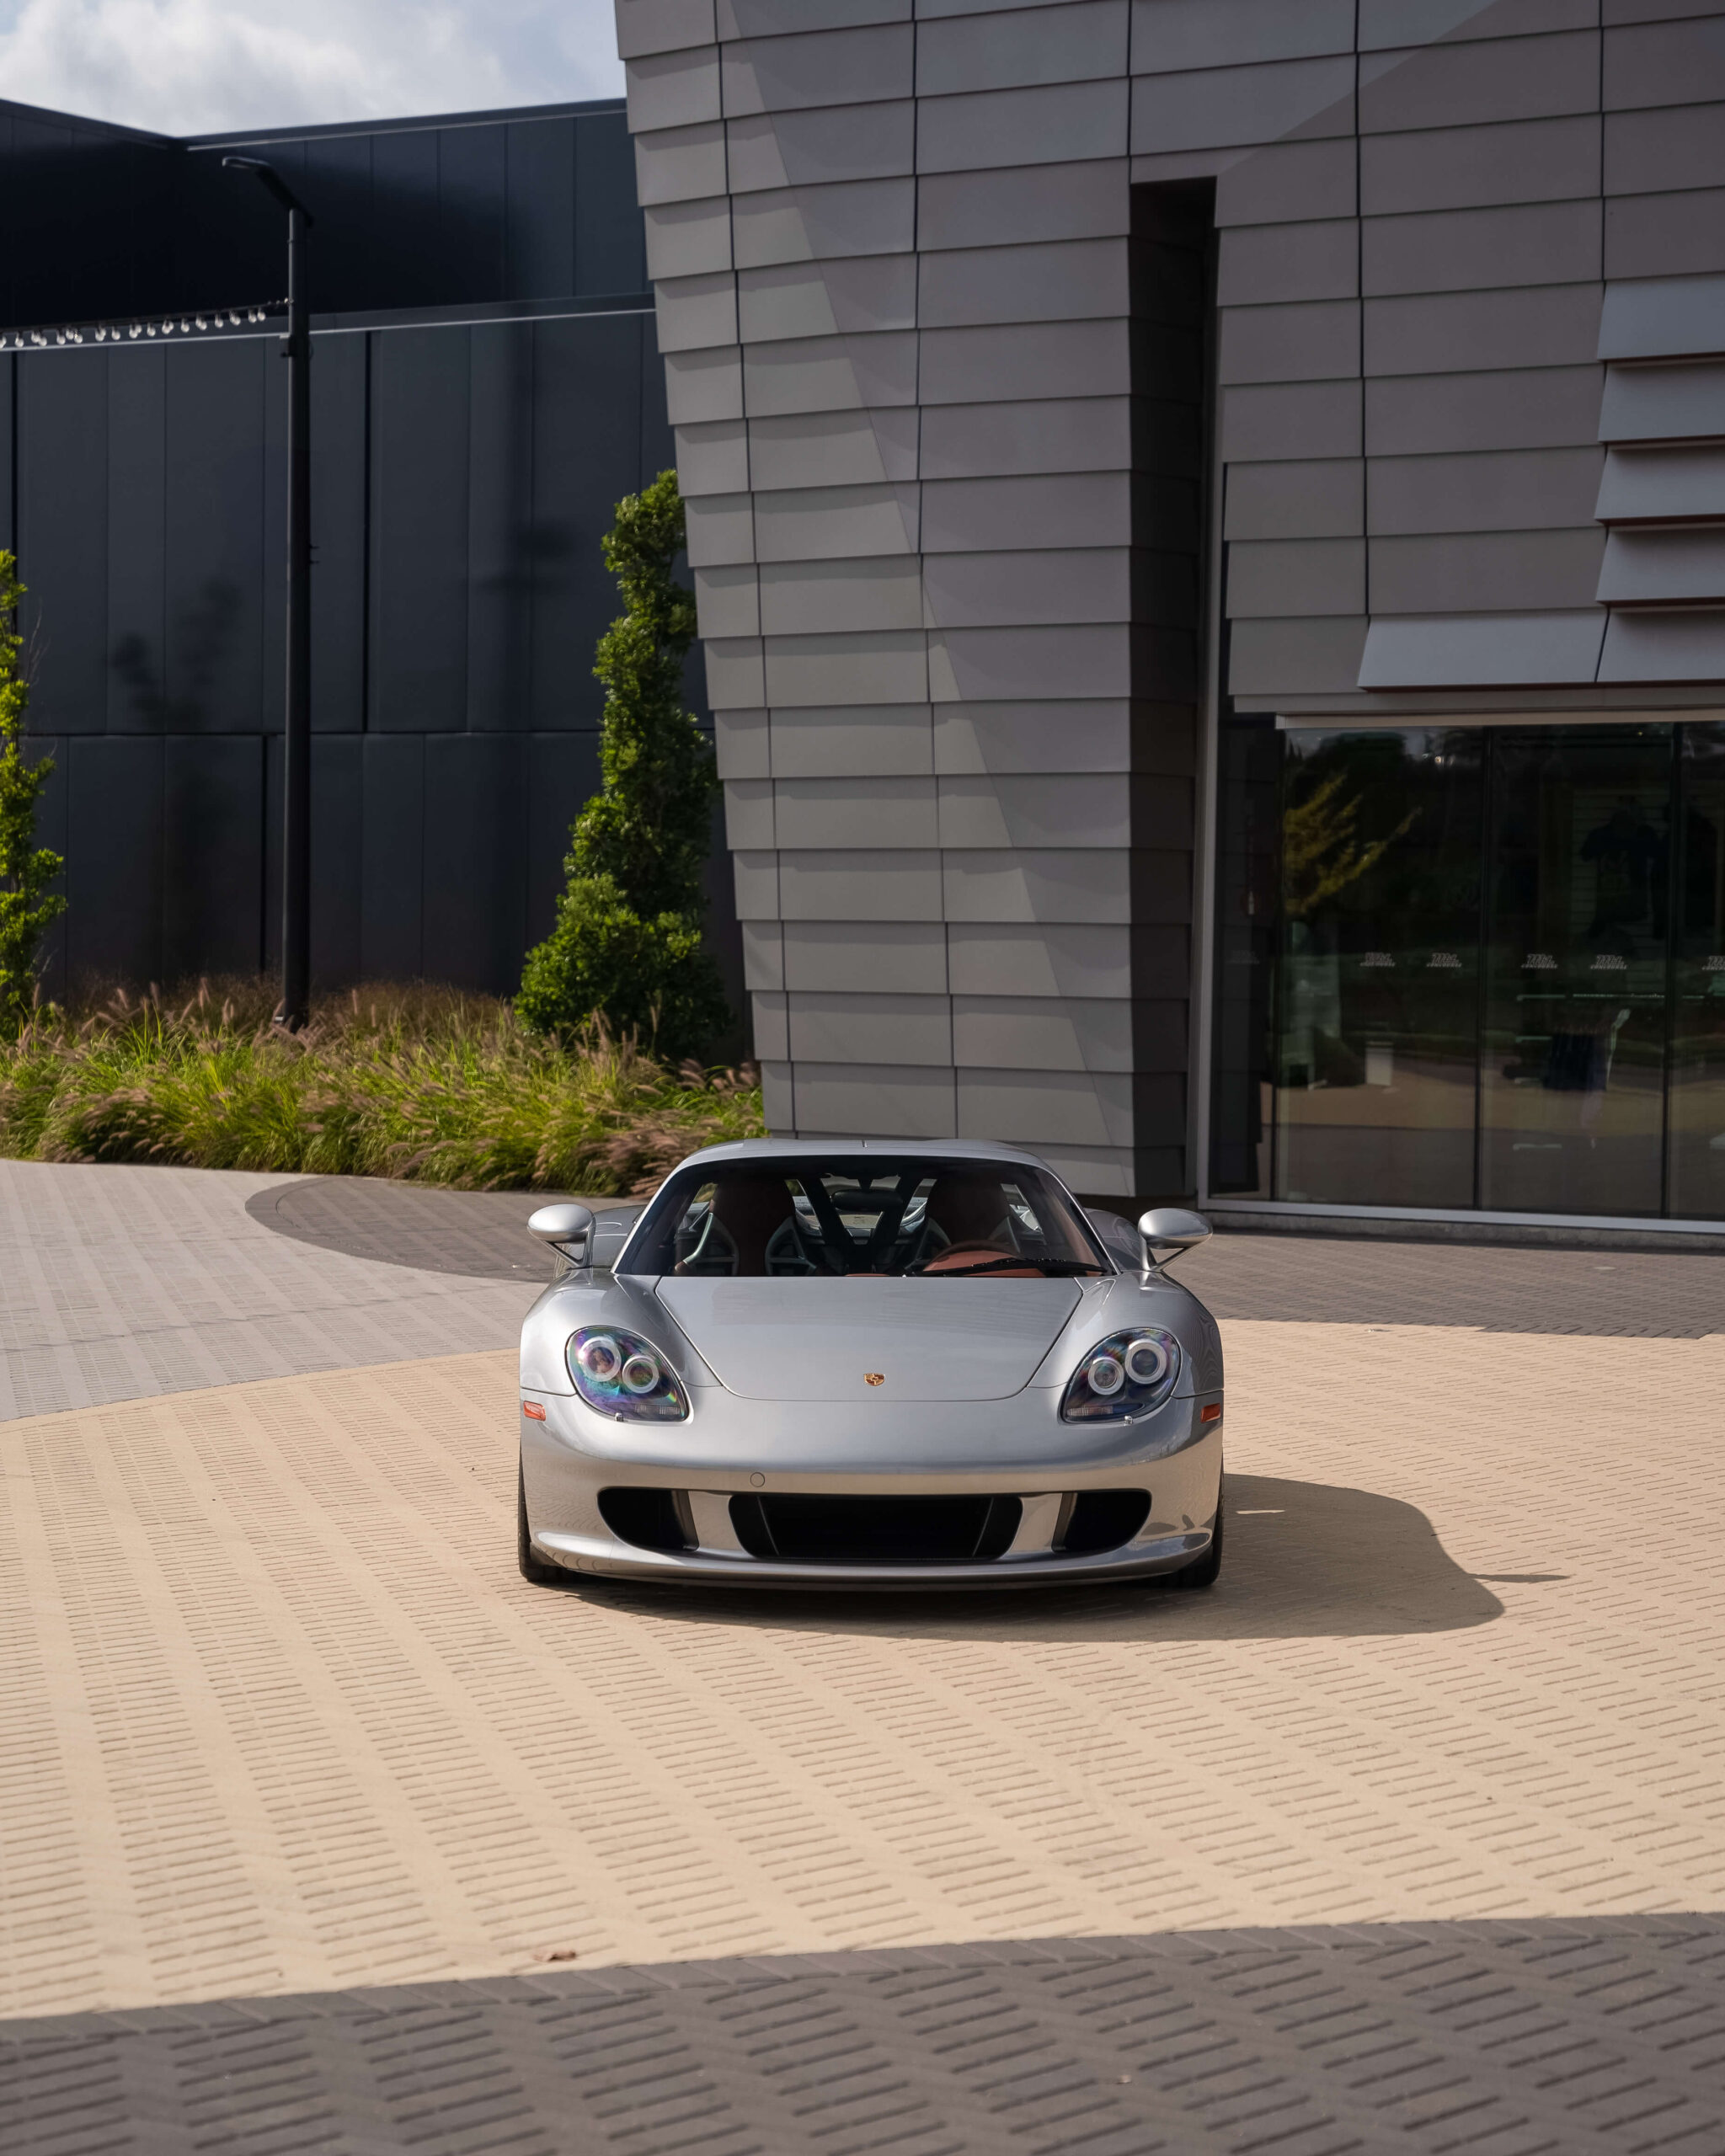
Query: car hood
point(925, 1339)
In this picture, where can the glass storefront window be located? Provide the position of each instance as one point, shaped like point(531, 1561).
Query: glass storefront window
point(1695, 1121)
point(1248, 854)
point(1473, 967)
point(1377, 1003)
point(1572, 1078)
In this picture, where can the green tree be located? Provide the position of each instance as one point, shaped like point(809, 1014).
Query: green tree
point(1321, 852)
point(27, 905)
point(625, 945)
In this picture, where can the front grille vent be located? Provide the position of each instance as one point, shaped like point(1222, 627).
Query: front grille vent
point(646, 1518)
point(907, 1531)
point(1104, 1520)
point(876, 1531)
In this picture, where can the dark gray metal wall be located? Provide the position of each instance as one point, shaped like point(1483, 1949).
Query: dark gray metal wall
point(479, 207)
point(468, 452)
point(88, 216)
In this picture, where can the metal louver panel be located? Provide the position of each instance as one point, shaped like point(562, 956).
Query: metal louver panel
point(1685, 646)
point(1418, 651)
point(1661, 486)
point(1645, 567)
point(1665, 403)
point(1662, 495)
point(1663, 318)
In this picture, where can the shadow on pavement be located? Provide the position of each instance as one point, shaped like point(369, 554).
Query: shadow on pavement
point(1311, 1279)
point(473, 1234)
point(1305, 1560)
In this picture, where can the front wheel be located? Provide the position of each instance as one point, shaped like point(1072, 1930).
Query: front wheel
point(1203, 1572)
point(533, 1566)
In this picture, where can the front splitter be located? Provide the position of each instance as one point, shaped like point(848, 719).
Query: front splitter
point(588, 1554)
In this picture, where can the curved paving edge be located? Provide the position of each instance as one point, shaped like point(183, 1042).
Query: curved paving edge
point(1509, 2038)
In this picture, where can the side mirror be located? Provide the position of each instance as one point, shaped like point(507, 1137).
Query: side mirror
point(569, 1229)
point(1167, 1231)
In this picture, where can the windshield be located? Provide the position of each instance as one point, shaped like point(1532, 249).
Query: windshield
point(815, 1217)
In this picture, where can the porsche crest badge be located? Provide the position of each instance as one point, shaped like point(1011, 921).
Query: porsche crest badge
point(874, 1377)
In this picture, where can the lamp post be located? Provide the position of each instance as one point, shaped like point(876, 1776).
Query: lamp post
point(295, 1006)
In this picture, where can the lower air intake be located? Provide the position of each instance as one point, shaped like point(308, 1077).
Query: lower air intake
point(646, 1518)
point(885, 1531)
point(1102, 1519)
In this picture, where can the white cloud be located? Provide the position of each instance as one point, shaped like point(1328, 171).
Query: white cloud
point(200, 67)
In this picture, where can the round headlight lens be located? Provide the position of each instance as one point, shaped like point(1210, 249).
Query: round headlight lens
point(1147, 1362)
point(600, 1358)
point(1105, 1374)
point(641, 1373)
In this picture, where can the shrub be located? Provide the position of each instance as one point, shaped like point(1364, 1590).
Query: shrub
point(425, 1084)
point(625, 945)
point(27, 905)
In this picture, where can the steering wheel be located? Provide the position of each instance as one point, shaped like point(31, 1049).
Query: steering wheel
point(785, 1254)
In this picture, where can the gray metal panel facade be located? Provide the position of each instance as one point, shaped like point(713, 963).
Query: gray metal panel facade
point(923, 416)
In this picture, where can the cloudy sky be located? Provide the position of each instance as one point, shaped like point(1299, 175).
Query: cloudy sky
point(195, 67)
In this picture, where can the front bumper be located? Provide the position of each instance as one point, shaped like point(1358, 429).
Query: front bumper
point(1173, 1455)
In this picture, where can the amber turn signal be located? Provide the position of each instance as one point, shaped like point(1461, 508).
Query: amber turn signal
point(1212, 1413)
point(535, 1412)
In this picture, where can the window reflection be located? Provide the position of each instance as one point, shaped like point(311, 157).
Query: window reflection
point(1377, 1012)
point(1243, 1054)
point(1461, 967)
point(1573, 1075)
point(1696, 1115)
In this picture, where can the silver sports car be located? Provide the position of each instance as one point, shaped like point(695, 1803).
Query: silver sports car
point(869, 1363)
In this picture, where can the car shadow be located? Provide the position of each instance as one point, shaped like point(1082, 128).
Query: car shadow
point(1305, 1560)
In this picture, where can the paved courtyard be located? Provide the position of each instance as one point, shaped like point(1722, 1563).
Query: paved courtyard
point(320, 1828)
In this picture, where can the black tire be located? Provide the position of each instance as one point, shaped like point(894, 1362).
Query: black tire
point(1203, 1572)
point(533, 1567)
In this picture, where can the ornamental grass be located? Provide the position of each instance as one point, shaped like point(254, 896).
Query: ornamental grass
point(421, 1083)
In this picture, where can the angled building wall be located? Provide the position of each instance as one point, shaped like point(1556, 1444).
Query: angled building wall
point(925, 401)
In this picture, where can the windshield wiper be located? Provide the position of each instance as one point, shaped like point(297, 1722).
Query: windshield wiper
point(1058, 1267)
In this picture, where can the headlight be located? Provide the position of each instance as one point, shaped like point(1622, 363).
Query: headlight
point(1128, 1373)
point(624, 1376)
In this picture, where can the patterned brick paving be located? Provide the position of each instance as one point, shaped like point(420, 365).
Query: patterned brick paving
point(124, 1283)
point(284, 1718)
point(1501, 2040)
point(281, 1719)
point(1315, 1279)
point(481, 1234)
point(1326, 1280)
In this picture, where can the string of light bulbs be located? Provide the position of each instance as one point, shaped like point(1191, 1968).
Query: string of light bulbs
point(50, 336)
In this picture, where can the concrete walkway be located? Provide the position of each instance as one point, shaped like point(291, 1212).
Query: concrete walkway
point(282, 1719)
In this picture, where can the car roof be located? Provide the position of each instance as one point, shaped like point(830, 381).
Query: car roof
point(943, 1148)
